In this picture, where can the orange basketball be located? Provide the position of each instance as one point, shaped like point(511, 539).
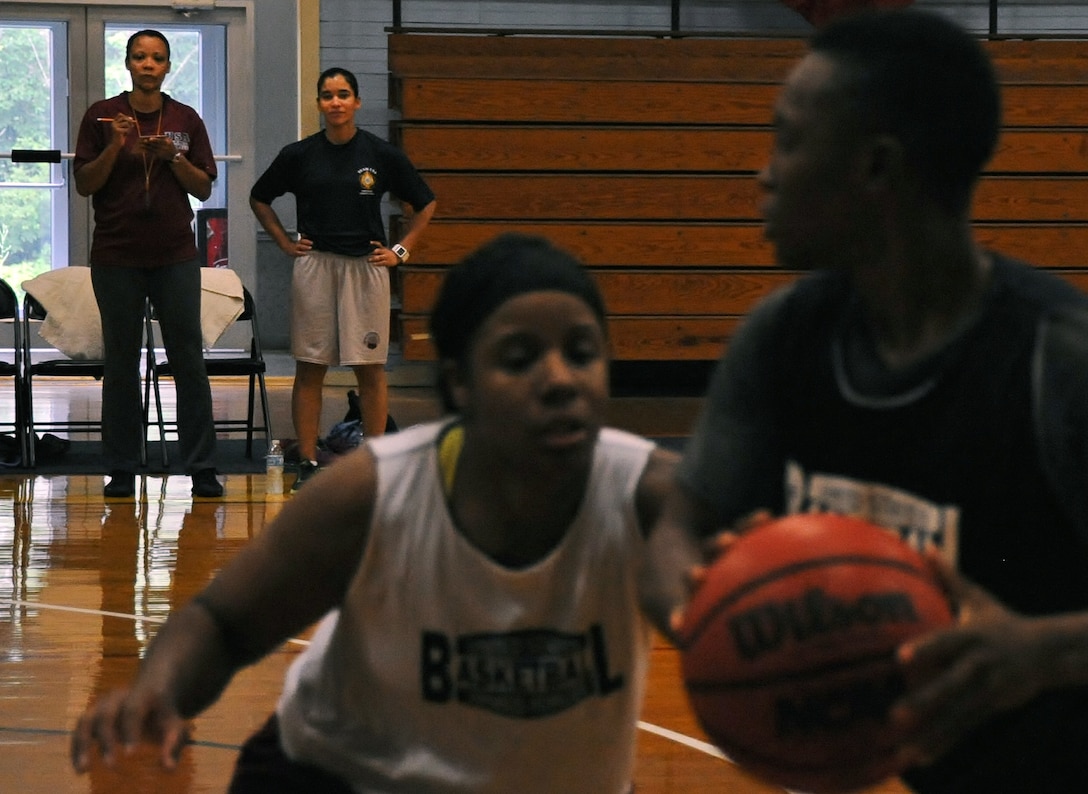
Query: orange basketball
point(787, 648)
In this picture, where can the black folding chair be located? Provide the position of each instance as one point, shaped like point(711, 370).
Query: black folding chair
point(54, 365)
point(220, 363)
point(11, 366)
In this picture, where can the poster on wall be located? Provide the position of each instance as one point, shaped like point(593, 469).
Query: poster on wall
point(211, 237)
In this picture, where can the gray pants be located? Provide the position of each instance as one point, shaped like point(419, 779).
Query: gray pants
point(174, 291)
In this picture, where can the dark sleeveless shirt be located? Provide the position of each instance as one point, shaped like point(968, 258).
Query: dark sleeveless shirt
point(961, 435)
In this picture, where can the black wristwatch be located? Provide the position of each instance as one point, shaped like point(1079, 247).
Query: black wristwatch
point(400, 251)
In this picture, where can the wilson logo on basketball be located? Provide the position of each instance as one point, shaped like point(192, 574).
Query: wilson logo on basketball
point(767, 627)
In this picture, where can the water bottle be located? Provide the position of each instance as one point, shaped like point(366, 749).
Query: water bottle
point(273, 464)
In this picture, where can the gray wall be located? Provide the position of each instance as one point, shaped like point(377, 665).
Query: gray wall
point(276, 70)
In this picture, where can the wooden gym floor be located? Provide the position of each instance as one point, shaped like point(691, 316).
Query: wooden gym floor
point(84, 583)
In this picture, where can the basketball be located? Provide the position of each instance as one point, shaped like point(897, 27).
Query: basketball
point(787, 647)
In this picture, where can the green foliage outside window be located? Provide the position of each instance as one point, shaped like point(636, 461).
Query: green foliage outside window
point(25, 88)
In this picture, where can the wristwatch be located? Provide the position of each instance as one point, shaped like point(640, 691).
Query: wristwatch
point(400, 251)
point(177, 157)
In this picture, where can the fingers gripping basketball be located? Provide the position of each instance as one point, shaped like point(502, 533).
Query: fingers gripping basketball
point(787, 647)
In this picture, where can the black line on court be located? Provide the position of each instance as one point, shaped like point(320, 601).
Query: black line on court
point(58, 732)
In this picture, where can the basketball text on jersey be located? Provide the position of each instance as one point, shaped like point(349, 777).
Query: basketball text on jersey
point(529, 673)
point(919, 522)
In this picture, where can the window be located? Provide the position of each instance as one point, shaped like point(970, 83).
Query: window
point(33, 115)
point(55, 59)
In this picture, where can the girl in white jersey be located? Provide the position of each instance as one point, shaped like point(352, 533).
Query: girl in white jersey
point(480, 577)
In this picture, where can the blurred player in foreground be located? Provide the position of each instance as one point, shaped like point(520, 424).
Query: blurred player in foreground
point(478, 576)
point(921, 382)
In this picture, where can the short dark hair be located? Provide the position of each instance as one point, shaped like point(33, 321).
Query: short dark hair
point(924, 80)
point(155, 34)
point(333, 71)
point(509, 265)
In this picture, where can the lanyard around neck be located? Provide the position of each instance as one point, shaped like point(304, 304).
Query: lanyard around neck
point(148, 166)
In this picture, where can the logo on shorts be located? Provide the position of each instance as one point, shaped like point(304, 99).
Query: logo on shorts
point(371, 340)
point(367, 180)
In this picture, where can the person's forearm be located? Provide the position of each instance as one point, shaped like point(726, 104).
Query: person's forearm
point(1063, 643)
point(193, 180)
point(416, 224)
point(93, 175)
point(663, 585)
point(673, 549)
point(188, 661)
point(270, 222)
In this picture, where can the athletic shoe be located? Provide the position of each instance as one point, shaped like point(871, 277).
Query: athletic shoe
point(205, 484)
point(122, 485)
point(306, 470)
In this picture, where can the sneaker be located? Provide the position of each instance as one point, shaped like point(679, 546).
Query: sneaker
point(122, 485)
point(205, 484)
point(306, 470)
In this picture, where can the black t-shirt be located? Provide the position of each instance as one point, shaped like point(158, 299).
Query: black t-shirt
point(339, 188)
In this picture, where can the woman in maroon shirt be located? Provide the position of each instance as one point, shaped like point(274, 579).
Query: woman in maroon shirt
point(140, 155)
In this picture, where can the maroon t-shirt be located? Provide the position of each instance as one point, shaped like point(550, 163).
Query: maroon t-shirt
point(138, 224)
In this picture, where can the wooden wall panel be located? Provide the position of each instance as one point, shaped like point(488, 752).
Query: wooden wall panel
point(1043, 245)
point(629, 244)
point(562, 148)
point(579, 101)
point(705, 197)
point(616, 101)
point(640, 156)
point(732, 60)
point(557, 57)
point(579, 196)
point(678, 149)
point(694, 339)
point(611, 243)
point(640, 292)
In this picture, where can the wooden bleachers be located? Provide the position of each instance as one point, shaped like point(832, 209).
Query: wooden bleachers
point(639, 155)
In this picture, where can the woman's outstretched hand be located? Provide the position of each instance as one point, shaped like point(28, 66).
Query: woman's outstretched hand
point(118, 722)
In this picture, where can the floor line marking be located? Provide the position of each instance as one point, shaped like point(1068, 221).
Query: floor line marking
point(61, 732)
point(104, 613)
point(684, 739)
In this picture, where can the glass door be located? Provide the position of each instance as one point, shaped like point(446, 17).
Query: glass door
point(199, 71)
point(33, 116)
point(55, 60)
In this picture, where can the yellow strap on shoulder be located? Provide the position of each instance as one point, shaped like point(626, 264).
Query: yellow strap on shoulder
point(449, 452)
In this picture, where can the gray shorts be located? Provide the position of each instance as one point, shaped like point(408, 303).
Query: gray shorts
point(339, 310)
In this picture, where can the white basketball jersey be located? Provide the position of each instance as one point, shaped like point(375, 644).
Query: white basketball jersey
point(446, 672)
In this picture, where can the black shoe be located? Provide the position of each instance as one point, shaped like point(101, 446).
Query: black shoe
point(306, 470)
point(122, 485)
point(205, 484)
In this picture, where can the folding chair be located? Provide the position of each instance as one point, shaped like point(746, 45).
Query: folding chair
point(220, 363)
point(55, 365)
point(11, 366)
